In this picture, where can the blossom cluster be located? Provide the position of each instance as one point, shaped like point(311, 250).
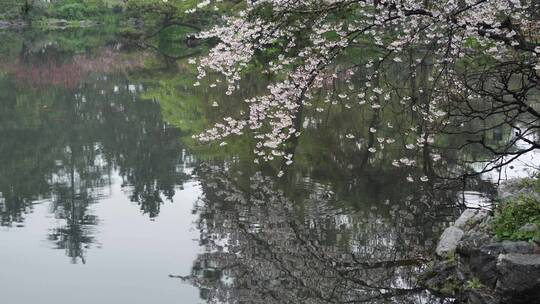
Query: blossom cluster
point(311, 34)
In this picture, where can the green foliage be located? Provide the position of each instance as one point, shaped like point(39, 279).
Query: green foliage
point(450, 287)
point(531, 183)
point(474, 283)
point(157, 15)
point(77, 10)
point(18, 9)
point(10, 9)
point(70, 10)
point(512, 215)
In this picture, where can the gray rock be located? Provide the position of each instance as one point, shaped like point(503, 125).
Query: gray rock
point(463, 220)
point(473, 240)
point(479, 296)
point(482, 263)
point(508, 271)
point(12, 24)
point(529, 228)
point(470, 218)
point(515, 187)
point(508, 188)
point(441, 278)
point(449, 241)
point(518, 247)
point(519, 279)
point(480, 216)
point(479, 254)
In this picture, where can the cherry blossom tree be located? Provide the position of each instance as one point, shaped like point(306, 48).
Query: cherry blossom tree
point(467, 61)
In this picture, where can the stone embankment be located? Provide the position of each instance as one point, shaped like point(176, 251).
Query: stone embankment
point(12, 24)
point(473, 267)
point(49, 23)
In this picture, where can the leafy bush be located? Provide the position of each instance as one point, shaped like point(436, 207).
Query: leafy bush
point(474, 283)
point(18, 9)
point(78, 10)
point(72, 11)
point(515, 213)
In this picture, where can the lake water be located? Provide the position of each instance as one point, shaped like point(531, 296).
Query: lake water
point(106, 198)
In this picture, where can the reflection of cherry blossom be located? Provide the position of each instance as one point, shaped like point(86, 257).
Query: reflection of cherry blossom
point(70, 74)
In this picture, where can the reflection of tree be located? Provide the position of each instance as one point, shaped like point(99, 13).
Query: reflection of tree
point(262, 247)
point(56, 71)
point(75, 186)
point(76, 234)
point(149, 156)
point(63, 144)
point(100, 119)
point(191, 109)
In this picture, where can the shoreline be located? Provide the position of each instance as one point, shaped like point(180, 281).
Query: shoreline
point(474, 266)
point(47, 24)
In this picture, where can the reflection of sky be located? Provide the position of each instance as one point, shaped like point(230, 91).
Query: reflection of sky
point(130, 263)
point(475, 199)
point(133, 256)
point(524, 166)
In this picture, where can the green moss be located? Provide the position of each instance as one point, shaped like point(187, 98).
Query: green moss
point(430, 266)
point(474, 283)
point(452, 258)
point(450, 287)
point(513, 214)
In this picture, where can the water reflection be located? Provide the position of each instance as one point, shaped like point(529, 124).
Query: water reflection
point(71, 197)
point(261, 246)
point(63, 136)
point(85, 134)
point(81, 118)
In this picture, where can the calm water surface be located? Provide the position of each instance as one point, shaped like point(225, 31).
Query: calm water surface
point(106, 198)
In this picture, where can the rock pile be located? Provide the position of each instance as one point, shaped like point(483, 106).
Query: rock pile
point(475, 268)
